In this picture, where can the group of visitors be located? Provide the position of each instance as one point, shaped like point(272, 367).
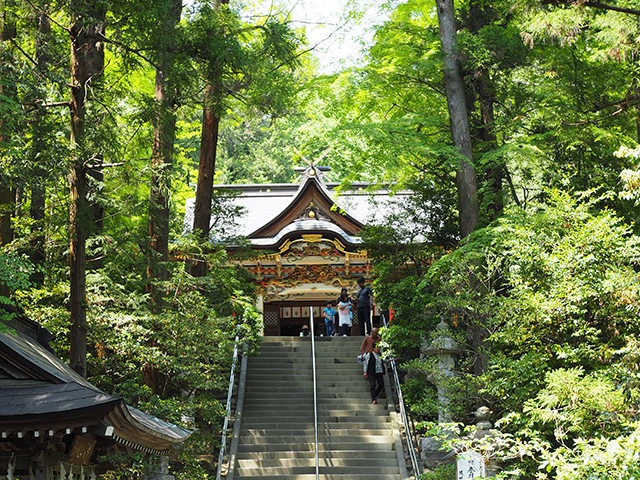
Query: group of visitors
point(339, 323)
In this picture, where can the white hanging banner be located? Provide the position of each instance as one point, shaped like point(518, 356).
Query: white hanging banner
point(11, 467)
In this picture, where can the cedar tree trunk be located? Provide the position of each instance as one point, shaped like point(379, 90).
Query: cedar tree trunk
point(164, 132)
point(87, 65)
point(461, 136)
point(207, 166)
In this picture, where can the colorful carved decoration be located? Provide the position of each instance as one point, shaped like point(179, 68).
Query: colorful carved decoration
point(273, 287)
point(309, 249)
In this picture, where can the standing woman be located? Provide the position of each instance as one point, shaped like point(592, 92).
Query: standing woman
point(344, 314)
point(365, 304)
point(374, 372)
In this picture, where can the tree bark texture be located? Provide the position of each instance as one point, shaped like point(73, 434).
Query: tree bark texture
point(87, 65)
point(206, 172)
point(38, 191)
point(7, 32)
point(494, 174)
point(482, 14)
point(164, 132)
point(460, 133)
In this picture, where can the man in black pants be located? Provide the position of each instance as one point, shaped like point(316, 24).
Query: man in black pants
point(365, 304)
point(374, 372)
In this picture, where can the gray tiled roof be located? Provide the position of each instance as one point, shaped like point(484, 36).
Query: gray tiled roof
point(35, 382)
point(263, 203)
point(48, 398)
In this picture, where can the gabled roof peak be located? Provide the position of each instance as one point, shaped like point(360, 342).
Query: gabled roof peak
point(313, 170)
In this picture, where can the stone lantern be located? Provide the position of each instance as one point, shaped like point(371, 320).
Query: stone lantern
point(445, 349)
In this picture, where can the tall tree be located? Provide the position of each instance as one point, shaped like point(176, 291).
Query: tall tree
point(86, 35)
point(164, 133)
point(249, 62)
point(39, 132)
point(7, 90)
point(211, 112)
point(460, 133)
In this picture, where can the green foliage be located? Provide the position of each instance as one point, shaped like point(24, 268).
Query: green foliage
point(551, 289)
point(513, 379)
point(15, 271)
point(630, 177)
point(572, 402)
point(444, 472)
point(421, 395)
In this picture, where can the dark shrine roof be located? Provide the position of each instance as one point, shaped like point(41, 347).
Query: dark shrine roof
point(40, 392)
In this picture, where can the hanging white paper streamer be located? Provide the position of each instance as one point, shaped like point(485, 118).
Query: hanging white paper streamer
point(11, 467)
point(63, 472)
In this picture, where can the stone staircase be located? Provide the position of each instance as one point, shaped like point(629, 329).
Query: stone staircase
point(276, 438)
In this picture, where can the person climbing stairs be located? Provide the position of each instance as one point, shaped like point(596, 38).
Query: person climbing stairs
point(276, 435)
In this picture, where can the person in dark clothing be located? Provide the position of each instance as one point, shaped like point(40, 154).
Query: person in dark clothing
point(365, 304)
point(374, 372)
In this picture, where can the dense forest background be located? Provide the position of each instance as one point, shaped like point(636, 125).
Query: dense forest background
point(516, 124)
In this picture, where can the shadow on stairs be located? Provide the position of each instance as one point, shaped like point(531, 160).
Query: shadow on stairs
point(276, 434)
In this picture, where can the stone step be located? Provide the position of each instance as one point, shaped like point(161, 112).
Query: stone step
point(277, 436)
point(329, 476)
point(322, 462)
point(383, 430)
point(326, 422)
point(323, 413)
point(302, 357)
point(257, 424)
point(328, 470)
point(292, 391)
point(293, 358)
point(328, 439)
point(363, 446)
point(363, 403)
point(261, 424)
point(277, 365)
point(386, 455)
point(321, 384)
point(279, 402)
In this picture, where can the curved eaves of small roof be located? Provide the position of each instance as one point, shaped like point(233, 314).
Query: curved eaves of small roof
point(140, 429)
point(37, 388)
point(306, 227)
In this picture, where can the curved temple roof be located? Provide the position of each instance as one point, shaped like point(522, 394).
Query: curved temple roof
point(38, 392)
point(274, 212)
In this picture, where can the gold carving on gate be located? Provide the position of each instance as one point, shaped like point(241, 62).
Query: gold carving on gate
point(312, 237)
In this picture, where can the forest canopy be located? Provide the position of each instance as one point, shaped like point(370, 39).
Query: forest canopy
point(515, 124)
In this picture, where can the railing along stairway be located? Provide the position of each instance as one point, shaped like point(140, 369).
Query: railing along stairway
point(307, 414)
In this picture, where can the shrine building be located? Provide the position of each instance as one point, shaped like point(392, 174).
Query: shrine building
point(54, 424)
point(307, 245)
